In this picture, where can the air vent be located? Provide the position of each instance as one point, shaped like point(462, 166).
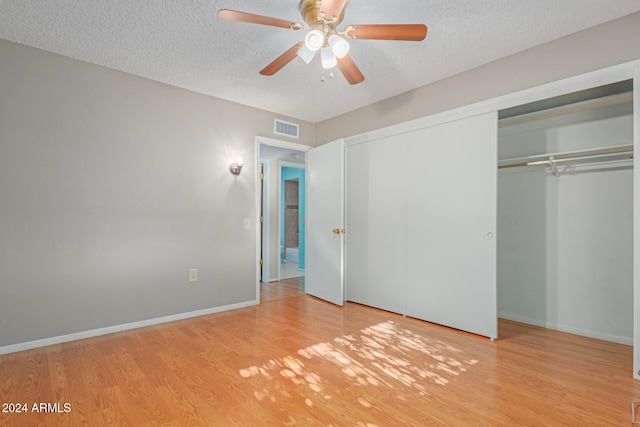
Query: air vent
point(285, 128)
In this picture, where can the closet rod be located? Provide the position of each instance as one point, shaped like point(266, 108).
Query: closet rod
point(566, 156)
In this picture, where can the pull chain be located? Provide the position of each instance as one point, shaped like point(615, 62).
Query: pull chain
point(322, 73)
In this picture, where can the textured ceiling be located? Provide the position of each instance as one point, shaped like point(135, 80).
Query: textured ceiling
point(183, 43)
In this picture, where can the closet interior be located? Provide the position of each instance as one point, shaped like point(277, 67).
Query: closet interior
point(565, 213)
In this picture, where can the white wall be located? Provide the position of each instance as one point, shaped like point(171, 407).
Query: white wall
point(271, 272)
point(565, 245)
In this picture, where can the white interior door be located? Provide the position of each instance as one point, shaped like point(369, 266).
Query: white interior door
point(325, 222)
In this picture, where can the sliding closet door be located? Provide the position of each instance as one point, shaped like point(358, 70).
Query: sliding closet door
point(376, 233)
point(451, 224)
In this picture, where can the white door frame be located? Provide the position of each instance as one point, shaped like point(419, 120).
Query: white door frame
point(264, 226)
point(636, 223)
point(261, 140)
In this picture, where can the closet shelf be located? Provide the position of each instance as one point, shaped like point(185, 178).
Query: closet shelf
point(616, 151)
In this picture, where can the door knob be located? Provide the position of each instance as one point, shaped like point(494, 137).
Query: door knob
point(336, 231)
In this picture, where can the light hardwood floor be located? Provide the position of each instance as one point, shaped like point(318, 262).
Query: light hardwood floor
point(295, 360)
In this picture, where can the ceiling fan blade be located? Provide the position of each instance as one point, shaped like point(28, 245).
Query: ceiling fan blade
point(350, 70)
point(281, 60)
point(233, 15)
point(407, 32)
point(332, 8)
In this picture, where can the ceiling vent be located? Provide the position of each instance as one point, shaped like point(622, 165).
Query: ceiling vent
point(286, 129)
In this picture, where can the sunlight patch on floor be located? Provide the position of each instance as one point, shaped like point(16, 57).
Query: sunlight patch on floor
point(382, 355)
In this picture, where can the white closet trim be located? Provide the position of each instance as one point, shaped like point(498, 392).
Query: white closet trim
point(589, 80)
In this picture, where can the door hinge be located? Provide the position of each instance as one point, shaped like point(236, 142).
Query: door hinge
point(261, 176)
point(261, 218)
point(261, 262)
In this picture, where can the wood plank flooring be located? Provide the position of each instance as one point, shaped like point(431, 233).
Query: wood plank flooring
point(285, 288)
point(297, 361)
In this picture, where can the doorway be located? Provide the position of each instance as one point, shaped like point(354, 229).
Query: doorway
point(292, 228)
point(273, 155)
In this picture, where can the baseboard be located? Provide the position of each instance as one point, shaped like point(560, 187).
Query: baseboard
point(564, 328)
point(12, 348)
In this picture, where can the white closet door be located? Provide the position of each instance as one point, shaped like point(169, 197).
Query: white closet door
point(325, 221)
point(451, 224)
point(376, 233)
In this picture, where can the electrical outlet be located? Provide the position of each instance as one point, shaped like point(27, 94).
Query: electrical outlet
point(193, 275)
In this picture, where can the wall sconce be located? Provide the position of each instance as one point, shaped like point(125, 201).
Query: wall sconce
point(236, 167)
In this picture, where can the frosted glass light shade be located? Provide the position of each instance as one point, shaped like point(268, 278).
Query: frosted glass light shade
point(338, 45)
point(328, 58)
point(306, 54)
point(314, 40)
point(236, 167)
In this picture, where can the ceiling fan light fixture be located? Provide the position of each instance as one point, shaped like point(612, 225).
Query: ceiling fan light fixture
point(327, 57)
point(314, 40)
point(339, 46)
point(306, 54)
point(323, 18)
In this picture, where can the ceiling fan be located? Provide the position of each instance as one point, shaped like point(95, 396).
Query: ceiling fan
point(323, 18)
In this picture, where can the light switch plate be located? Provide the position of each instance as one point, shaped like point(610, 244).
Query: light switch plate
point(193, 275)
point(247, 223)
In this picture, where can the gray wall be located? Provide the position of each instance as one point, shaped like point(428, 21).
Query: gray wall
point(609, 44)
point(112, 187)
